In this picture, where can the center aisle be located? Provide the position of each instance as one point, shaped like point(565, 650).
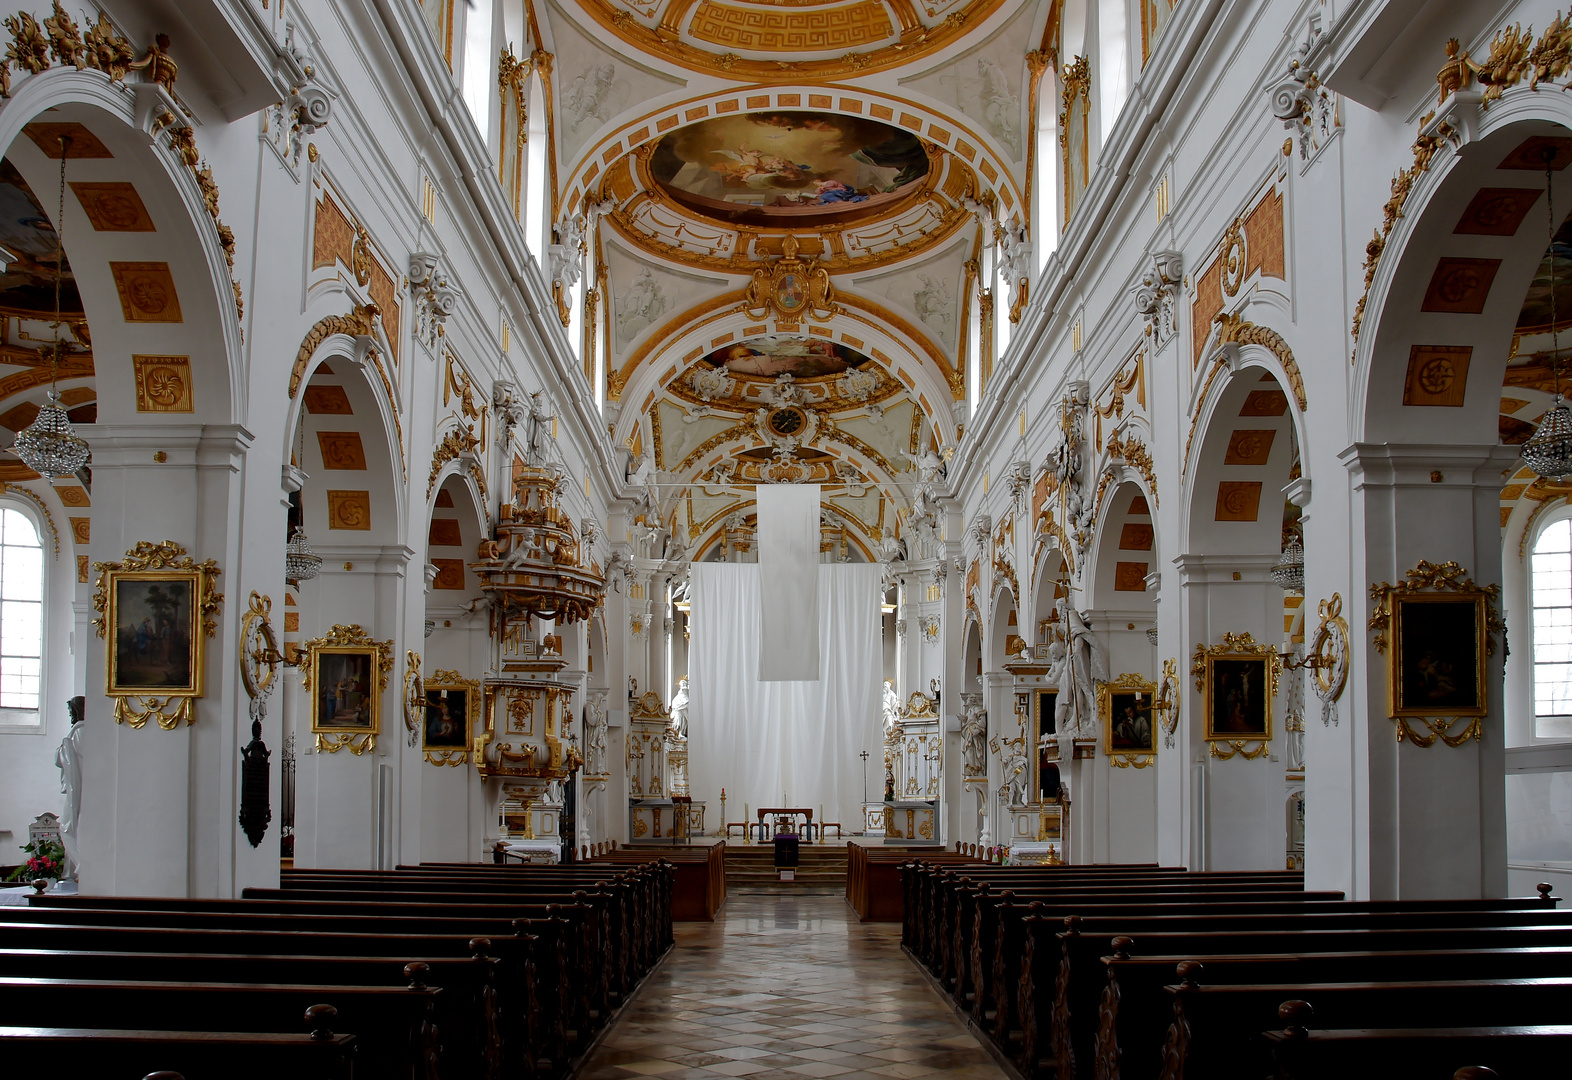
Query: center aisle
point(782, 987)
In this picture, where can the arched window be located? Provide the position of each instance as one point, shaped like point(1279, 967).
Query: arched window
point(479, 71)
point(21, 617)
point(537, 176)
point(1550, 579)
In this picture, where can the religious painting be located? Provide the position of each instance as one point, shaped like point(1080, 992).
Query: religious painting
point(799, 357)
point(788, 167)
point(346, 696)
point(452, 705)
point(1554, 266)
point(1438, 666)
point(1238, 693)
point(26, 231)
point(1125, 707)
point(1046, 725)
point(157, 645)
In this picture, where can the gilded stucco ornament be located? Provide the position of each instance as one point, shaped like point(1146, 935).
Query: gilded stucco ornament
point(792, 288)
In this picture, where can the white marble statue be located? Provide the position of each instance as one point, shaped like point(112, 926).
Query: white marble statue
point(595, 732)
point(679, 709)
point(539, 423)
point(974, 735)
point(68, 759)
point(928, 464)
point(891, 547)
point(1083, 665)
point(892, 710)
point(1016, 774)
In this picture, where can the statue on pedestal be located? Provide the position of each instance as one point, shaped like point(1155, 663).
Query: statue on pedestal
point(974, 735)
point(1015, 772)
point(892, 710)
point(679, 709)
point(68, 759)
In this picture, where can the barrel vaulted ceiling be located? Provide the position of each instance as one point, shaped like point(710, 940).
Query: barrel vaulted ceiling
point(787, 187)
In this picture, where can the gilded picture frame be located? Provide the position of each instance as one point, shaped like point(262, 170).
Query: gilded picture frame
point(1238, 681)
point(346, 671)
point(156, 609)
point(1045, 725)
point(1126, 708)
point(1438, 630)
point(452, 713)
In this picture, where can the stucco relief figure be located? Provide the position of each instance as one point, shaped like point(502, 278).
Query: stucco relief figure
point(642, 303)
point(595, 733)
point(679, 709)
point(1001, 107)
point(68, 759)
point(593, 97)
point(934, 303)
point(974, 735)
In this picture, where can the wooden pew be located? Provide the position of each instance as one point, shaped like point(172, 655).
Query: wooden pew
point(467, 1014)
point(699, 887)
point(532, 1032)
point(1301, 1053)
point(1137, 1009)
point(319, 1054)
point(1062, 976)
point(397, 1035)
point(1215, 1029)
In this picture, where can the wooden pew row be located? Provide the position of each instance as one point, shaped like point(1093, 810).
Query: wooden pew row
point(699, 888)
point(1215, 1029)
point(318, 1054)
point(534, 1017)
point(1062, 977)
point(1037, 987)
point(537, 982)
point(873, 881)
point(647, 921)
point(467, 1014)
point(1137, 1007)
point(396, 1030)
point(1301, 1053)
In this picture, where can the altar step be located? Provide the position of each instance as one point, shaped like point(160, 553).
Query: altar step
point(753, 865)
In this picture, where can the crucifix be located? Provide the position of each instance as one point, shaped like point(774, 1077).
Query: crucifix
point(864, 756)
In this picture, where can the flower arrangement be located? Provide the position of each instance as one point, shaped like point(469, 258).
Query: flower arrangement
point(45, 859)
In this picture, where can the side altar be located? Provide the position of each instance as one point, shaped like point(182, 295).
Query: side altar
point(660, 810)
point(913, 770)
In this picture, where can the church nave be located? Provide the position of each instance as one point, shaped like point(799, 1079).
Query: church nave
point(788, 986)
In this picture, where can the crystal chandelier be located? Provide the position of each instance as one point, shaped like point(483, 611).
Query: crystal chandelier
point(49, 445)
point(1549, 450)
point(300, 562)
point(1289, 573)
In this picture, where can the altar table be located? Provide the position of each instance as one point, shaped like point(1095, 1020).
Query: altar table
point(761, 827)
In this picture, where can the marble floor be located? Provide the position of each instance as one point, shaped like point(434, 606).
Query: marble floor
point(785, 986)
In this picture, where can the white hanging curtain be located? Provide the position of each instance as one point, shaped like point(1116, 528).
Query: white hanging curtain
point(767, 742)
point(788, 532)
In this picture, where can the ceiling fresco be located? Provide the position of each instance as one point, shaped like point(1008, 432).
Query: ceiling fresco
point(801, 358)
point(791, 168)
point(30, 248)
point(716, 151)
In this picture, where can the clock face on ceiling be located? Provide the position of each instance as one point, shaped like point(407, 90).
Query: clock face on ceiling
point(787, 421)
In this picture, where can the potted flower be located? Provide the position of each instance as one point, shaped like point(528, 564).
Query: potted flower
point(45, 859)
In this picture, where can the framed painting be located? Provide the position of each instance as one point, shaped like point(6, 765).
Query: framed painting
point(156, 647)
point(156, 609)
point(1045, 726)
point(1238, 681)
point(1438, 656)
point(452, 711)
point(1129, 732)
point(1438, 630)
point(345, 672)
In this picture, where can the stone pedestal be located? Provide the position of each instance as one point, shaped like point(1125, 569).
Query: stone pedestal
point(908, 823)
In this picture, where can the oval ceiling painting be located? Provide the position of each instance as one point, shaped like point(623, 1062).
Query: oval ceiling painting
point(801, 358)
point(789, 168)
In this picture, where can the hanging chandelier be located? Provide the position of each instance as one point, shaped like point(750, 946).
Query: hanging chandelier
point(49, 445)
point(1289, 573)
point(300, 562)
point(1549, 450)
